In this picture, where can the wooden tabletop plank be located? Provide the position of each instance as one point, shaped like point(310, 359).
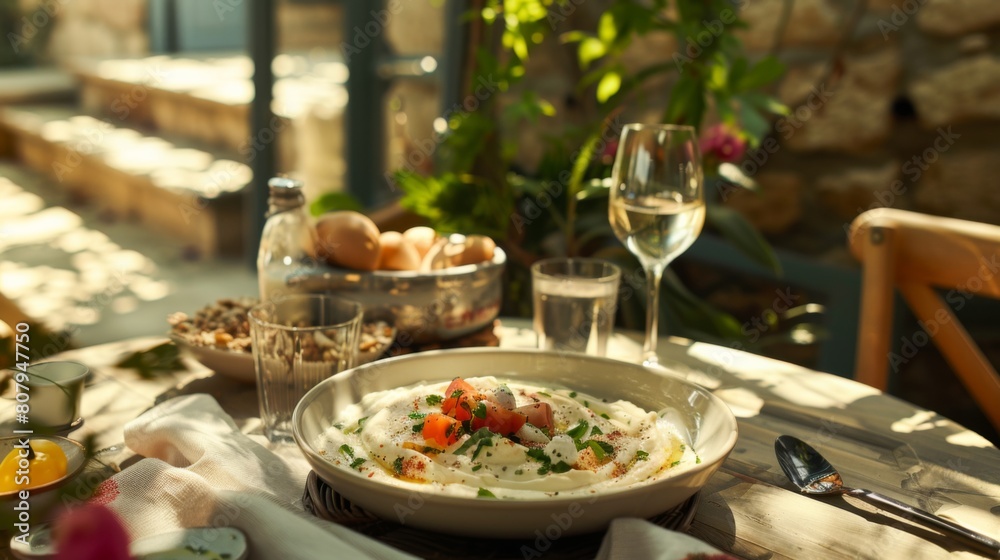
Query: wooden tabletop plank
point(748, 508)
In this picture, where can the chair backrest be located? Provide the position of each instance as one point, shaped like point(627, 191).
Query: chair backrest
point(917, 253)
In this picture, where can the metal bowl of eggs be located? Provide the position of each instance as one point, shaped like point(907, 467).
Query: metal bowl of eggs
point(433, 287)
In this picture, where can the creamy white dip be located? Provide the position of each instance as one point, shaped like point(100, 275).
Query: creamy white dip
point(380, 438)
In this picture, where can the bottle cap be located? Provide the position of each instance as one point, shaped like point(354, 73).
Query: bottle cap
point(282, 183)
point(284, 194)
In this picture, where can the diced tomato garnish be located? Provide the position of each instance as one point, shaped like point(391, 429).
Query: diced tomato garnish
point(443, 430)
point(461, 406)
point(499, 420)
point(539, 415)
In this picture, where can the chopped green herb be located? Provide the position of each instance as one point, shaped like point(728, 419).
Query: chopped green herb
point(697, 460)
point(547, 465)
point(397, 465)
point(417, 415)
point(357, 463)
point(596, 430)
point(641, 455)
point(572, 394)
point(538, 455)
point(519, 471)
point(578, 431)
point(480, 411)
point(476, 468)
point(561, 467)
point(339, 425)
point(675, 463)
point(484, 493)
point(417, 428)
point(433, 400)
point(358, 427)
point(479, 447)
point(683, 447)
point(457, 393)
point(544, 394)
point(481, 434)
point(605, 416)
point(601, 449)
point(586, 403)
point(346, 451)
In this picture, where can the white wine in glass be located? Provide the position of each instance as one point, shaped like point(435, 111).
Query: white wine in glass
point(657, 204)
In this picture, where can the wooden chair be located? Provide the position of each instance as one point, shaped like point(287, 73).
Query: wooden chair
point(917, 253)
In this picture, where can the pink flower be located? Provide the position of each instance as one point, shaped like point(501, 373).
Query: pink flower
point(610, 149)
point(90, 532)
point(722, 144)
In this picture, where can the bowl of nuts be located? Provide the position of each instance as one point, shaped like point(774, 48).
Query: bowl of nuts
point(218, 336)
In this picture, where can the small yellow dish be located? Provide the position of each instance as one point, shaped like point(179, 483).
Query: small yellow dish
point(56, 460)
point(32, 464)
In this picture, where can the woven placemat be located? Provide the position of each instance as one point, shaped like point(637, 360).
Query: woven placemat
point(484, 337)
point(324, 502)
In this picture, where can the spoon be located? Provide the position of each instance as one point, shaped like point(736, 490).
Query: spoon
point(813, 474)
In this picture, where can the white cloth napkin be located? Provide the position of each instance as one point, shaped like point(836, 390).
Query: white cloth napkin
point(200, 470)
point(631, 539)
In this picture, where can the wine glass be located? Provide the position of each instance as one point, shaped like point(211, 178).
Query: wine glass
point(657, 204)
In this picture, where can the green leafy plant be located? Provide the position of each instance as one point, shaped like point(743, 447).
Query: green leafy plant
point(476, 188)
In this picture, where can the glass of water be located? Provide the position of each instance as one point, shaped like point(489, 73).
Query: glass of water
point(574, 304)
point(298, 341)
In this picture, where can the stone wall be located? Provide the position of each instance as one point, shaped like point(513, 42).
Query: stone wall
point(96, 28)
point(906, 117)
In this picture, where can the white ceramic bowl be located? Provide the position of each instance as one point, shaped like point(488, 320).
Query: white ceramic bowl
point(704, 420)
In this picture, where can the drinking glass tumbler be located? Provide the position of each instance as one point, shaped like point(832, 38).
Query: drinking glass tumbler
point(298, 341)
point(55, 390)
point(575, 300)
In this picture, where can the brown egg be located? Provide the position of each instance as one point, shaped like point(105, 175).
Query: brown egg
point(477, 249)
point(458, 250)
point(436, 258)
point(348, 239)
point(422, 237)
point(398, 252)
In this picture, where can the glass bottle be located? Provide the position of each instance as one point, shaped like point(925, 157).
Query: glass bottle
point(287, 245)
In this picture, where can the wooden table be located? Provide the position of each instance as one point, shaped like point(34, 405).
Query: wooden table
point(748, 508)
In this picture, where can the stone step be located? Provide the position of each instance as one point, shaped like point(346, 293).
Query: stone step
point(206, 98)
point(177, 188)
point(36, 85)
point(65, 266)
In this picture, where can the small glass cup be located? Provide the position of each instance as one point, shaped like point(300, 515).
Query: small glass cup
point(298, 341)
point(55, 390)
point(574, 304)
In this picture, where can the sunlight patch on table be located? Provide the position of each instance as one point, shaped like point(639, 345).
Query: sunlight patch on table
point(920, 421)
point(38, 228)
point(968, 438)
point(150, 290)
point(743, 402)
point(124, 304)
point(788, 381)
